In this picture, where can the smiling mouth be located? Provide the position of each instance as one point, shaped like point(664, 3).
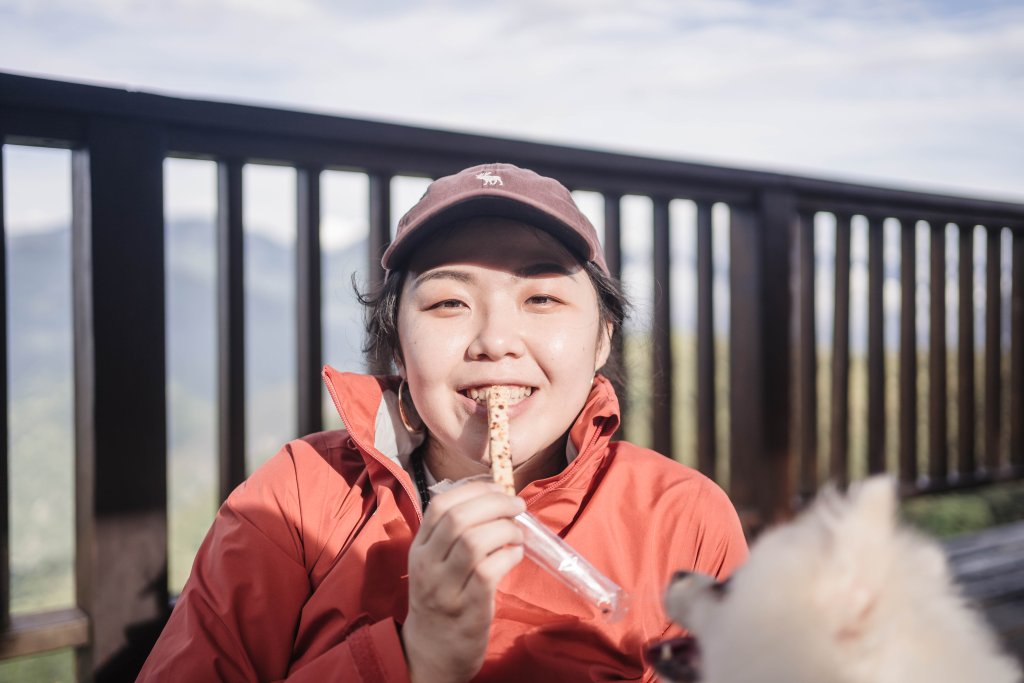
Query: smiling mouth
point(515, 393)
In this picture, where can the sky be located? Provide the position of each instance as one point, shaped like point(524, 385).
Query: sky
point(904, 93)
point(909, 93)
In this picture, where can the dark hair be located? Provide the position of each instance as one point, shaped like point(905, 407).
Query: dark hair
point(382, 347)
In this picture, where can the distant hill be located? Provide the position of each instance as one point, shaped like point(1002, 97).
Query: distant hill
point(40, 308)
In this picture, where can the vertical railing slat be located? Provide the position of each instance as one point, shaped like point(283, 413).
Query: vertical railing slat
point(745, 420)
point(839, 456)
point(379, 238)
point(309, 333)
point(230, 327)
point(613, 257)
point(1017, 354)
point(908, 352)
point(5, 549)
point(993, 349)
point(661, 333)
point(706, 460)
point(965, 356)
point(876, 346)
point(806, 361)
point(938, 450)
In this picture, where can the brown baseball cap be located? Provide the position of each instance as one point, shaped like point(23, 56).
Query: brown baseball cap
point(499, 191)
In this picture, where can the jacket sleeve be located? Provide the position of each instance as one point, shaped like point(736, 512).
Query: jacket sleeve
point(722, 546)
point(237, 618)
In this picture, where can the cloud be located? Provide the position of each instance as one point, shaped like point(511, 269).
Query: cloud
point(909, 92)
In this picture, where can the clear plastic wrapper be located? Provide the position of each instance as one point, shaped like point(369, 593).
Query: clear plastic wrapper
point(556, 556)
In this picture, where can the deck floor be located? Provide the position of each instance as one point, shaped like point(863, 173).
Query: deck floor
point(990, 567)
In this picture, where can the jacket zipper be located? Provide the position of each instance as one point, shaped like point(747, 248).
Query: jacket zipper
point(585, 449)
point(373, 452)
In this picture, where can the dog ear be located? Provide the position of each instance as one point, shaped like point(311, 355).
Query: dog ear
point(873, 500)
point(860, 529)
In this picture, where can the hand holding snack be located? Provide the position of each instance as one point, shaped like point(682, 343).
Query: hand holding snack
point(466, 545)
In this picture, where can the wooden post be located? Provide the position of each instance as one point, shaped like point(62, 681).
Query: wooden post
point(876, 346)
point(908, 353)
point(380, 237)
point(120, 395)
point(993, 350)
point(965, 357)
point(307, 272)
point(806, 389)
point(661, 332)
point(706, 458)
point(230, 327)
point(839, 452)
point(1017, 354)
point(613, 257)
point(760, 397)
point(938, 449)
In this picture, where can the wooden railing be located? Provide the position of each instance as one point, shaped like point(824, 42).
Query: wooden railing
point(119, 141)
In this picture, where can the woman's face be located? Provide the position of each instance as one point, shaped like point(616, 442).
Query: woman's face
point(495, 301)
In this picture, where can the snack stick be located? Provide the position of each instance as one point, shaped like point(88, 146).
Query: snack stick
point(500, 444)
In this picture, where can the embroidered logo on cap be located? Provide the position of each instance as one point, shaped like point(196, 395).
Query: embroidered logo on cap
point(489, 178)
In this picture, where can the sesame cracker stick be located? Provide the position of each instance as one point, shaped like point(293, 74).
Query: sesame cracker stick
point(500, 443)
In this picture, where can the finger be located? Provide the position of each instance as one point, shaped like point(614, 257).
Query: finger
point(443, 502)
point(483, 581)
point(473, 548)
point(455, 522)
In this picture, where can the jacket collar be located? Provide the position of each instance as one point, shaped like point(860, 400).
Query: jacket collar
point(368, 406)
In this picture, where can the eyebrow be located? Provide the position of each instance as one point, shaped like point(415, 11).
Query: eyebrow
point(531, 270)
point(443, 274)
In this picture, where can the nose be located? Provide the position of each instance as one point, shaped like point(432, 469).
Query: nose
point(498, 336)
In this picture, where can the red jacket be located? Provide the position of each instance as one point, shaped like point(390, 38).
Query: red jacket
point(303, 575)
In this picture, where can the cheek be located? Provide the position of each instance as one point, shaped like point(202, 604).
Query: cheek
point(570, 346)
point(429, 352)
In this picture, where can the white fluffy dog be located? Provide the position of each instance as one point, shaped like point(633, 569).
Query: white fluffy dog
point(842, 594)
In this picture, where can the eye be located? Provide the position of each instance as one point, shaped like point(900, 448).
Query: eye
point(447, 304)
point(543, 300)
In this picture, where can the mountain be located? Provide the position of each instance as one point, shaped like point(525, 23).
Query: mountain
point(40, 314)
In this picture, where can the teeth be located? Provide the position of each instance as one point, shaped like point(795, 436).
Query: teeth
point(516, 394)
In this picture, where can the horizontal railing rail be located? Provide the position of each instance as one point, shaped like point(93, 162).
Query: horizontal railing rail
point(119, 141)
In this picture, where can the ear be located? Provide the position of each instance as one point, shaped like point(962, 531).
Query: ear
point(604, 348)
point(874, 500)
point(860, 535)
point(399, 365)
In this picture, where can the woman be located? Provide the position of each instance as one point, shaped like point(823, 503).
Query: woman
point(323, 564)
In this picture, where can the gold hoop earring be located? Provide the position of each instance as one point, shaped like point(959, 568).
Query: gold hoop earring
point(401, 413)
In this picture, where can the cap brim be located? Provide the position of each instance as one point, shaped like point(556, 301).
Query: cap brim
point(477, 206)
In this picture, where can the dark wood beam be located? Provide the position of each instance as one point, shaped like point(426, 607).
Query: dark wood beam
point(230, 328)
point(120, 394)
point(706, 429)
point(760, 398)
point(661, 334)
point(839, 459)
point(309, 313)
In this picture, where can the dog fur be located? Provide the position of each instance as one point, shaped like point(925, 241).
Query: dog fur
point(843, 594)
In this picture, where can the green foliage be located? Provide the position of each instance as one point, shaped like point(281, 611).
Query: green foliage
point(951, 514)
point(49, 667)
